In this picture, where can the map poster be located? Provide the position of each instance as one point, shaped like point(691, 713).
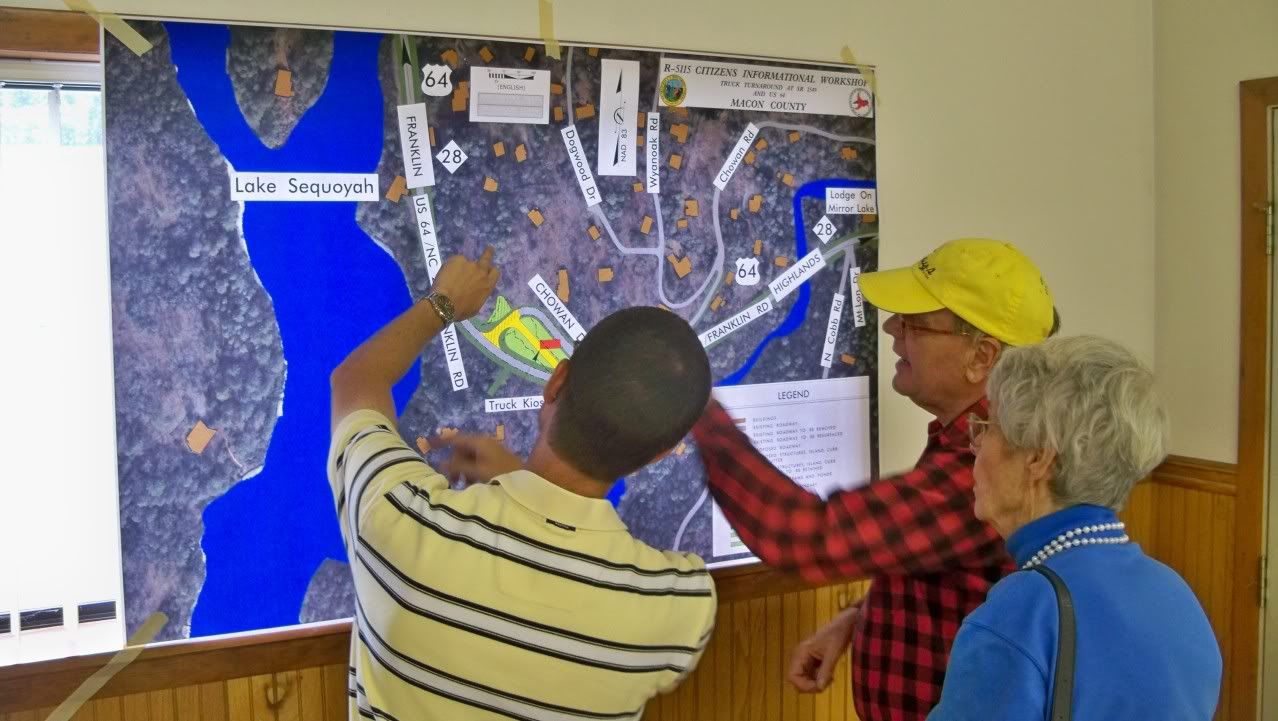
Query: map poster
point(278, 194)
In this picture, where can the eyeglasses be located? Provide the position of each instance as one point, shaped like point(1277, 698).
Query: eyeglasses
point(976, 428)
point(916, 329)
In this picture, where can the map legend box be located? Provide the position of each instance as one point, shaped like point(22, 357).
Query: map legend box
point(816, 432)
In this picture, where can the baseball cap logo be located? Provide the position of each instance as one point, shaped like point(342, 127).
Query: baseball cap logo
point(926, 268)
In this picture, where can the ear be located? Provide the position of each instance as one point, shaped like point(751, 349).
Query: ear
point(555, 385)
point(1038, 463)
point(984, 355)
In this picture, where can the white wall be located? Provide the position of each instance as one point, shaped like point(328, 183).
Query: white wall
point(1202, 51)
point(1028, 121)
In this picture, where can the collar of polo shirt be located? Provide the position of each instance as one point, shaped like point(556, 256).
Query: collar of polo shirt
point(555, 504)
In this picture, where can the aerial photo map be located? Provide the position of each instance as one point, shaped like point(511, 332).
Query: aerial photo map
point(276, 195)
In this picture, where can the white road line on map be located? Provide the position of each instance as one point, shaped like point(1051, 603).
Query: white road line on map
point(678, 539)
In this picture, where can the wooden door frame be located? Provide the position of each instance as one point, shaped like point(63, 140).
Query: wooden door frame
point(48, 35)
point(1255, 99)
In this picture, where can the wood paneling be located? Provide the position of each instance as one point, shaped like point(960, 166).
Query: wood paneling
point(1184, 516)
point(47, 35)
point(302, 697)
point(742, 675)
point(1192, 531)
point(169, 665)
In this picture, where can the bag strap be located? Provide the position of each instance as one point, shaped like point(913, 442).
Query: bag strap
point(1063, 693)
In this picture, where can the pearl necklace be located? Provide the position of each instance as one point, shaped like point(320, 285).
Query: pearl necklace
point(1078, 537)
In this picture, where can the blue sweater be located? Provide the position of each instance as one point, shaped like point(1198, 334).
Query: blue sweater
point(1144, 647)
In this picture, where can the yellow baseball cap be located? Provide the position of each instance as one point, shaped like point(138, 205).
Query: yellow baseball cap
point(988, 283)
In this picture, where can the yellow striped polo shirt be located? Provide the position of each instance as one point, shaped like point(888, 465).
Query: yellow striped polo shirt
point(514, 599)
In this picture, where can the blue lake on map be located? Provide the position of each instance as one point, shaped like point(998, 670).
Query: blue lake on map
point(331, 287)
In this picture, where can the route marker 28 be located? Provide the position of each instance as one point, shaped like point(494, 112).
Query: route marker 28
point(451, 157)
point(824, 229)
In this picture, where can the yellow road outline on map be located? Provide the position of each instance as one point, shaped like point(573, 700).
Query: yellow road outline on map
point(514, 320)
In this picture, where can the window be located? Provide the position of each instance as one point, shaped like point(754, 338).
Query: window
point(60, 579)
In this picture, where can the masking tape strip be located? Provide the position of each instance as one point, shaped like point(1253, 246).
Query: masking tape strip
point(547, 14)
point(114, 25)
point(865, 70)
point(126, 656)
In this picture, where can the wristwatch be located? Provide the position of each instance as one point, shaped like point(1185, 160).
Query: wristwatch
point(442, 306)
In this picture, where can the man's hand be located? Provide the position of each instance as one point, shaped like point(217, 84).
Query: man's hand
point(365, 378)
point(467, 283)
point(812, 662)
point(475, 457)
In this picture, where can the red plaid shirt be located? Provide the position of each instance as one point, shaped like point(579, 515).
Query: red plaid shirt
point(915, 535)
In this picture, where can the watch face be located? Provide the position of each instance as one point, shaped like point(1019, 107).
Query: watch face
point(445, 305)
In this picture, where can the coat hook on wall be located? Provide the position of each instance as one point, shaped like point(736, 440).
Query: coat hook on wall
point(277, 693)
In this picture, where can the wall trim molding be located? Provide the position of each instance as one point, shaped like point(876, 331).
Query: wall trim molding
point(1197, 474)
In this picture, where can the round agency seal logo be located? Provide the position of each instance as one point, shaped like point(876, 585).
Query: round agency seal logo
point(861, 103)
point(673, 90)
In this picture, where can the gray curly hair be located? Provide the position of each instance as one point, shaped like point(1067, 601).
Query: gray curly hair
point(1093, 403)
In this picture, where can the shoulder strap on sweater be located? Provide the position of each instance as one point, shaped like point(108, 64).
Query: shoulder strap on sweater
point(1063, 693)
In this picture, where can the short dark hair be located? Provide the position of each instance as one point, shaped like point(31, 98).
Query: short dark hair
point(635, 385)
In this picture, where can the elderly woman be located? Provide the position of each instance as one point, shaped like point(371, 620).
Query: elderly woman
point(1074, 424)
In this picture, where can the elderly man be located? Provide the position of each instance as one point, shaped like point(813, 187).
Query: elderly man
point(931, 560)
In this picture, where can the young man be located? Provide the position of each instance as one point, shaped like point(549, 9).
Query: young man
point(914, 534)
point(524, 597)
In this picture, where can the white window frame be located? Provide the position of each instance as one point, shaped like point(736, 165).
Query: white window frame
point(108, 635)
